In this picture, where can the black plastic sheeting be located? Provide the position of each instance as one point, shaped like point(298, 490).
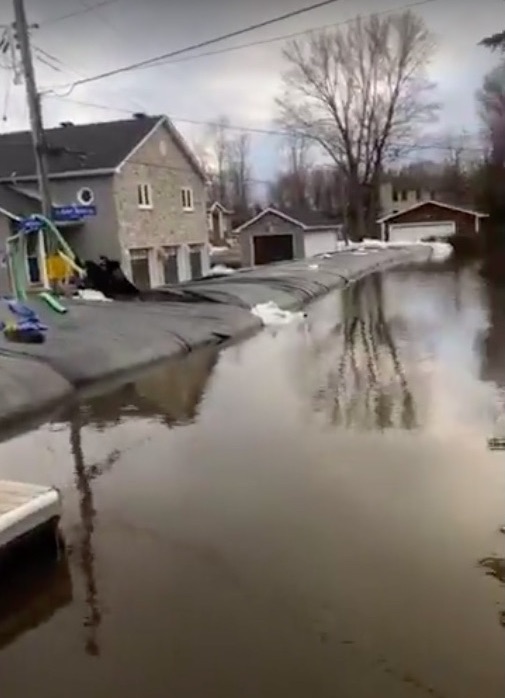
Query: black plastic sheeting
point(290, 284)
point(97, 341)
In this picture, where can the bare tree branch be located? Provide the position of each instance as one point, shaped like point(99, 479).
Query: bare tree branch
point(358, 92)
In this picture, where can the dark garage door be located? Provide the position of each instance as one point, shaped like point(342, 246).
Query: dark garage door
point(272, 248)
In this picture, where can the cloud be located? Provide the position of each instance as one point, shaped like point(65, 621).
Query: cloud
point(241, 84)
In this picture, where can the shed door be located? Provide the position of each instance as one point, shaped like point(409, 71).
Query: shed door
point(272, 248)
point(415, 232)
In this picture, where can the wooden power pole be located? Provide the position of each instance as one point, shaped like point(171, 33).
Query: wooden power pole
point(39, 144)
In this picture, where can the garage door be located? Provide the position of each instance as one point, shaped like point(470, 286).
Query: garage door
point(415, 232)
point(272, 248)
point(320, 242)
point(141, 275)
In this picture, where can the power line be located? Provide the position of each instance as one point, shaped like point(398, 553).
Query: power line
point(272, 40)
point(291, 35)
point(76, 13)
point(258, 130)
point(202, 44)
point(174, 168)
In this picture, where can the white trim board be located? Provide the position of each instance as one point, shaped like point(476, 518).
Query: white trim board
point(440, 204)
point(179, 142)
point(280, 214)
point(265, 212)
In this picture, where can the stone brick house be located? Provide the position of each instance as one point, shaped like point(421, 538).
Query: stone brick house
point(148, 188)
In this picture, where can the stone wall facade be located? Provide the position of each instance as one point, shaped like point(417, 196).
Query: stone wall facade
point(160, 164)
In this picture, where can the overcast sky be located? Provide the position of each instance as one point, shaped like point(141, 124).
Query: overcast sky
point(241, 84)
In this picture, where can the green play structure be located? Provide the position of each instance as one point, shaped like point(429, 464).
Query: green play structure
point(50, 242)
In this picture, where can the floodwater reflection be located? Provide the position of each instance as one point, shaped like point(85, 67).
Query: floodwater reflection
point(363, 383)
point(313, 512)
point(170, 394)
point(32, 597)
point(84, 548)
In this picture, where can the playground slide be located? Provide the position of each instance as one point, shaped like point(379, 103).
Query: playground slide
point(52, 302)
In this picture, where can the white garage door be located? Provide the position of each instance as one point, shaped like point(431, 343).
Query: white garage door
point(320, 242)
point(414, 232)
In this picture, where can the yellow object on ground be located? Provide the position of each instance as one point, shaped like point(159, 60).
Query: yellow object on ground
point(58, 269)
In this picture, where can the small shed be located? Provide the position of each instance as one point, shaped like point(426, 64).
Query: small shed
point(431, 219)
point(275, 235)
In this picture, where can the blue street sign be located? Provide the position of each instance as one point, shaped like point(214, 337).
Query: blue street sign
point(30, 225)
point(74, 212)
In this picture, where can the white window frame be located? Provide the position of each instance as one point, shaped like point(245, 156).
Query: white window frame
point(187, 199)
point(144, 196)
point(147, 253)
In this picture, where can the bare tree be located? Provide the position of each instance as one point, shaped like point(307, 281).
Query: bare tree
point(495, 42)
point(239, 172)
point(491, 101)
point(290, 190)
point(228, 166)
point(491, 180)
point(360, 93)
point(220, 145)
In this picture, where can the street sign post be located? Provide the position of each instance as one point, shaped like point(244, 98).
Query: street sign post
point(30, 225)
point(73, 212)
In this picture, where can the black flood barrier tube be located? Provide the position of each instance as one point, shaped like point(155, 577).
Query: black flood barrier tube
point(98, 341)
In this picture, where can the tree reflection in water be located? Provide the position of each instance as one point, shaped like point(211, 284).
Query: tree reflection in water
point(493, 345)
point(171, 395)
point(366, 386)
point(493, 369)
point(85, 551)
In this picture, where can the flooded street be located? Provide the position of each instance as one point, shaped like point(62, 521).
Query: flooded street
point(314, 512)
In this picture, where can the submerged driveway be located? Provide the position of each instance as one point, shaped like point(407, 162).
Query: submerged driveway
point(313, 512)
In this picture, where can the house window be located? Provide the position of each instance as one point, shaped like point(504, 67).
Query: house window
point(405, 195)
point(144, 196)
point(195, 261)
point(419, 195)
point(139, 260)
point(395, 195)
point(187, 199)
point(170, 265)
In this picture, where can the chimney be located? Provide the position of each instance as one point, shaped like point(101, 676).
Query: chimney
point(139, 115)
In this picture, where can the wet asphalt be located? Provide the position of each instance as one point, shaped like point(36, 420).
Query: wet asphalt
point(313, 512)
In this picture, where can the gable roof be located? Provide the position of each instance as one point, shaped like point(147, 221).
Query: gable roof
point(303, 218)
point(84, 149)
point(440, 204)
point(218, 204)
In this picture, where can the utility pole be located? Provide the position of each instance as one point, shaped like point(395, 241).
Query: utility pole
point(39, 144)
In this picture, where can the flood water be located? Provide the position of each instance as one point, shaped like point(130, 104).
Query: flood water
point(314, 512)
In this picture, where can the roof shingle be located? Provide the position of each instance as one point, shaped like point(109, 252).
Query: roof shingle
point(75, 148)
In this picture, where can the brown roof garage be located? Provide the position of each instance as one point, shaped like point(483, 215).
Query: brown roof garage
point(428, 220)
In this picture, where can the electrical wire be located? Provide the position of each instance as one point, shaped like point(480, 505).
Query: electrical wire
point(77, 13)
point(202, 44)
point(276, 39)
point(291, 35)
point(66, 66)
point(257, 130)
